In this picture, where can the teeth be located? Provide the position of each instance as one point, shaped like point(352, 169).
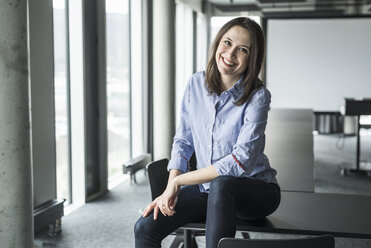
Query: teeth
point(228, 63)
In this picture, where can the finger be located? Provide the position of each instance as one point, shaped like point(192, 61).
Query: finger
point(166, 208)
point(148, 209)
point(162, 211)
point(155, 213)
point(170, 211)
point(172, 205)
point(144, 213)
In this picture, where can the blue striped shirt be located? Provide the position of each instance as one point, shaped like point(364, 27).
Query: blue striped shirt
point(222, 134)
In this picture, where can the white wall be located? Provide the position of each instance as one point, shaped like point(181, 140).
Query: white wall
point(315, 63)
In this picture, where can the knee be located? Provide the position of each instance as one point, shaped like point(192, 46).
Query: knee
point(137, 227)
point(146, 233)
point(140, 228)
point(220, 188)
point(219, 184)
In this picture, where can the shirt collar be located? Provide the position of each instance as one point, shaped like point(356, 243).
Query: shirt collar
point(236, 91)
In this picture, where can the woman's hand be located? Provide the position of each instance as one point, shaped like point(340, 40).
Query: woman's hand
point(165, 203)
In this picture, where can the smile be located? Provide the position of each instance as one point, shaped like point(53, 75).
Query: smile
point(228, 63)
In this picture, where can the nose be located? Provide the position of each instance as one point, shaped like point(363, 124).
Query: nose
point(232, 51)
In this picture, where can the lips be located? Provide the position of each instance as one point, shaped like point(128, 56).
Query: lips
point(227, 62)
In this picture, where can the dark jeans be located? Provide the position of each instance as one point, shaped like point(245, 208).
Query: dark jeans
point(228, 198)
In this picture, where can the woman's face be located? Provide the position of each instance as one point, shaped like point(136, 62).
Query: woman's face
point(232, 53)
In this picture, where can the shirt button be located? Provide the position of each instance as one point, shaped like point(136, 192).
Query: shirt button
point(210, 130)
point(209, 146)
point(221, 101)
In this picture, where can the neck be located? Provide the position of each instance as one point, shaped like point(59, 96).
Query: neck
point(228, 82)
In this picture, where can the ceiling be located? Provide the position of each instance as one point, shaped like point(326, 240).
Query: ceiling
point(296, 8)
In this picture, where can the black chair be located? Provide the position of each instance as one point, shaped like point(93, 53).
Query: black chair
point(158, 174)
point(324, 241)
point(158, 177)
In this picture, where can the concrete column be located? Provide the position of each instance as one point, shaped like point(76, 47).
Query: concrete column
point(16, 207)
point(163, 77)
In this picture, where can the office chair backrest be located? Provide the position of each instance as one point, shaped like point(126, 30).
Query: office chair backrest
point(325, 241)
point(158, 176)
point(193, 162)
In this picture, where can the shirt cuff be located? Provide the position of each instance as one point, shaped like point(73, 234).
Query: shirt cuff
point(229, 166)
point(178, 163)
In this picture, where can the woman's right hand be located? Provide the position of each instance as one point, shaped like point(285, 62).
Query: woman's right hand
point(166, 202)
point(159, 204)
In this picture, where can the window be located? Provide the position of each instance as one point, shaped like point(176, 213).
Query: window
point(118, 85)
point(201, 42)
point(184, 51)
point(61, 89)
point(138, 87)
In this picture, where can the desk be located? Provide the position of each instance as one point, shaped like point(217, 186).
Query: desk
point(357, 108)
point(319, 213)
point(311, 214)
point(289, 148)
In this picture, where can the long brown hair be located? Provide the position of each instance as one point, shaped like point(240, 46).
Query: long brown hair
point(250, 81)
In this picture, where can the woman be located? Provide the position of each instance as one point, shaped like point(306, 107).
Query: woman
point(223, 119)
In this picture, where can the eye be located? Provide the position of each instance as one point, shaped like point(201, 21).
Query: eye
point(244, 50)
point(227, 42)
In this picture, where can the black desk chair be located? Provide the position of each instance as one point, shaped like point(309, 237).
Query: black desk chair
point(325, 241)
point(158, 177)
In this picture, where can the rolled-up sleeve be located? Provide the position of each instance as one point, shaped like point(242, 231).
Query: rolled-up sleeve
point(251, 138)
point(183, 148)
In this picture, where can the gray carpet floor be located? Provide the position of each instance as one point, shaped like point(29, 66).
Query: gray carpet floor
point(105, 222)
point(333, 152)
point(109, 220)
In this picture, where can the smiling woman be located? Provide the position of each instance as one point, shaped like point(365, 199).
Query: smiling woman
point(232, 55)
point(223, 119)
point(253, 41)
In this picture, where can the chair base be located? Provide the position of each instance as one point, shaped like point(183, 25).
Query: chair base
point(185, 238)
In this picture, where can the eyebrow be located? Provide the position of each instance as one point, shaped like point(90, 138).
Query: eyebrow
point(241, 45)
